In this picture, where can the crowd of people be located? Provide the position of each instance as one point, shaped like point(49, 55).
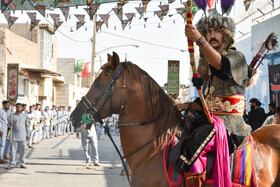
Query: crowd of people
point(21, 128)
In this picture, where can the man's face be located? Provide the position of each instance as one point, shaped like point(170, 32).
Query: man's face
point(31, 109)
point(18, 108)
point(69, 109)
point(24, 108)
point(6, 106)
point(214, 36)
point(252, 105)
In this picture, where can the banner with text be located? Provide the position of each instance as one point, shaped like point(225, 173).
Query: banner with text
point(173, 78)
point(274, 83)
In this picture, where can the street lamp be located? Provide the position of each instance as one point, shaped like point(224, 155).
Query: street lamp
point(99, 52)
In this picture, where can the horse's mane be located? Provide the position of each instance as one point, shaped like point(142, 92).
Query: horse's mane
point(161, 107)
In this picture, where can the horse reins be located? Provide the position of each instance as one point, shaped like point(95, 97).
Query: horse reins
point(96, 113)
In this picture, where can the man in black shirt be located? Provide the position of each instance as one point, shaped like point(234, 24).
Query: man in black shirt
point(256, 116)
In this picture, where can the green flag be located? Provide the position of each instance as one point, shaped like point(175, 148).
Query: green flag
point(80, 64)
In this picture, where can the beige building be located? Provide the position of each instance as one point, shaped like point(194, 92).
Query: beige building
point(35, 52)
point(71, 92)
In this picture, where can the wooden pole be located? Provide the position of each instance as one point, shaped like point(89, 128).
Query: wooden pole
point(192, 62)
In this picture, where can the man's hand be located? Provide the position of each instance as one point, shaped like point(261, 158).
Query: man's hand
point(182, 107)
point(27, 137)
point(77, 135)
point(192, 33)
point(1, 133)
point(11, 124)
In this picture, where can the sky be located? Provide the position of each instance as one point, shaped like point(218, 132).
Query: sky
point(157, 44)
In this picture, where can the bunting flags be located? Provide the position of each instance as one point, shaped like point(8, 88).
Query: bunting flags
point(65, 12)
point(211, 3)
point(124, 23)
point(226, 6)
point(140, 10)
point(105, 18)
point(247, 4)
point(118, 13)
point(130, 16)
point(164, 9)
point(13, 6)
point(145, 4)
point(5, 4)
point(41, 9)
point(170, 1)
point(160, 14)
point(10, 19)
point(81, 21)
point(34, 21)
point(121, 4)
point(56, 21)
point(92, 10)
point(85, 70)
point(98, 25)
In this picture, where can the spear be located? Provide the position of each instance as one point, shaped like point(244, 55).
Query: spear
point(192, 62)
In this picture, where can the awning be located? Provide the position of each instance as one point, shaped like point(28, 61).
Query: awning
point(59, 79)
point(43, 71)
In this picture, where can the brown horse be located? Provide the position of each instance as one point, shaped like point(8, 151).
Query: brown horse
point(147, 113)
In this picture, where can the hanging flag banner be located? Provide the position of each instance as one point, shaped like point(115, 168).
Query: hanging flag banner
point(211, 3)
point(22, 1)
point(173, 77)
point(121, 4)
point(247, 4)
point(81, 21)
point(65, 12)
point(124, 23)
point(130, 16)
point(7, 14)
point(170, 1)
point(79, 24)
point(13, 6)
point(34, 23)
point(80, 17)
point(145, 4)
point(41, 9)
point(54, 16)
point(12, 86)
point(32, 15)
point(119, 13)
point(5, 4)
point(12, 20)
point(79, 68)
point(226, 6)
point(85, 71)
point(105, 18)
point(164, 9)
point(160, 14)
point(92, 10)
point(140, 10)
point(57, 24)
point(274, 84)
point(98, 25)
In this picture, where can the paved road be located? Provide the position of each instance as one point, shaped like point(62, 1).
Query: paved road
point(59, 162)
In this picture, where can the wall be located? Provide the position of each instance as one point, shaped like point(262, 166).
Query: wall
point(66, 66)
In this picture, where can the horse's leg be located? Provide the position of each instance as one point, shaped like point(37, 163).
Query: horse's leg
point(150, 174)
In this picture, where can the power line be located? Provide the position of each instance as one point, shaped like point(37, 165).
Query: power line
point(182, 50)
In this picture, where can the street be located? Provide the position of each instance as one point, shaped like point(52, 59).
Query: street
point(59, 162)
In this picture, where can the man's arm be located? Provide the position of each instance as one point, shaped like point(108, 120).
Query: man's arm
point(211, 55)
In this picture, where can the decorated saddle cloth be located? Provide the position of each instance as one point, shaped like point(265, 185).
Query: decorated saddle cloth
point(242, 167)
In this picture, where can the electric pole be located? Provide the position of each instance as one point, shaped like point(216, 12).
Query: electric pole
point(93, 39)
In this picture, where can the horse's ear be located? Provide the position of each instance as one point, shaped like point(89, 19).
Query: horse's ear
point(116, 60)
point(109, 57)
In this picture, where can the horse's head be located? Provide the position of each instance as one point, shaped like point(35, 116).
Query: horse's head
point(101, 100)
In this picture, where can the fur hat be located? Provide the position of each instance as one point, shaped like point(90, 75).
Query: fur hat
point(215, 21)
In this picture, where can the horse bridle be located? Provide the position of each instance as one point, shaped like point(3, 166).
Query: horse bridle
point(110, 89)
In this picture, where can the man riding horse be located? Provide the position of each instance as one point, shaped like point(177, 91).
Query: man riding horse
point(224, 75)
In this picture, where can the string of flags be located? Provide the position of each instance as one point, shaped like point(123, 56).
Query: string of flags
point(64, 5)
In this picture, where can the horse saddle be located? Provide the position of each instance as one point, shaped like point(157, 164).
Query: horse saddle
point(191, 144)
